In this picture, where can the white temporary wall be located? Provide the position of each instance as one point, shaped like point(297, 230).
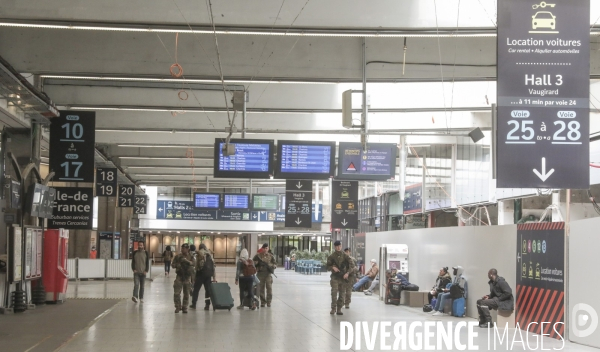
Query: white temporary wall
point(584, 285)
point(476, 249)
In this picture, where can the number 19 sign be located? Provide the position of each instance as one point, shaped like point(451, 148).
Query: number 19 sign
point(72, 143)
point(543, 94)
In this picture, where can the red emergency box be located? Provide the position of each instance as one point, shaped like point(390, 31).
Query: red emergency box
point(55, 275)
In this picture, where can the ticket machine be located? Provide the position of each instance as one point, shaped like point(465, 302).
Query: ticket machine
point(56, 277)
point(392, 257)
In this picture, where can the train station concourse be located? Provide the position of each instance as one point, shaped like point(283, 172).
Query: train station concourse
point(298, 176)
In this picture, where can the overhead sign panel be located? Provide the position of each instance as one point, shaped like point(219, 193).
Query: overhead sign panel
point(73, 208)
point(265, 202)
point(72, 147)
point(305, 160)
point(106, 182)
point(543, 94)
point(344, 205)
point(141, 205)
point(207, 201)
point(126, 196)
point(236, 201)
point(378, 162)
point(251, 158)
point(298, 203)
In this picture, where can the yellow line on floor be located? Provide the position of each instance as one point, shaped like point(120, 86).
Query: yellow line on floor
point(39, 343)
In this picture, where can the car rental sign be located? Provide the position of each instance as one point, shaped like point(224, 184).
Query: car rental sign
point(543, 94)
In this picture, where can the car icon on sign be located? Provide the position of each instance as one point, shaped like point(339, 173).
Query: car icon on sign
point(543, 19)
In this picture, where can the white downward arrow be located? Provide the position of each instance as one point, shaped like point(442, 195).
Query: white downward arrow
point(299, 185)
point(344, 222)
point(543, 175)
point(298, 221)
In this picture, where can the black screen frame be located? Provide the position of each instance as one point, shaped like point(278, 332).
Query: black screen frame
point(207, 208)
point(244, 174)
point(305, 175)
point(269, 195)
point(357, 177)
point(235, 194)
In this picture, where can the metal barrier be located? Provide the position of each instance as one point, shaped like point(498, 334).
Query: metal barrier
point(80, 268)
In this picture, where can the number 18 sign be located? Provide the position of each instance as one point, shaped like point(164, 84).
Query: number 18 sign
point(72, 143)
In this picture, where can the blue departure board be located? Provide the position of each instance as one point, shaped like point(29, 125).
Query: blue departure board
point(252, 158)
point(236, 201)
point(306, 158)
point(207, 200)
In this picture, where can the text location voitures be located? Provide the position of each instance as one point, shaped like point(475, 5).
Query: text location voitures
point(542, 42)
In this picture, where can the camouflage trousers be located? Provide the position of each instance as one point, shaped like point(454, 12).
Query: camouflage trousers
point(348, 290)
point(178, 286)
point(338, 291)
point(266, 282)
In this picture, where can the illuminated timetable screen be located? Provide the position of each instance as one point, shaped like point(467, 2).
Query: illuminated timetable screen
point(251, 159)
point(236, 201)
point(207, 200)
point(307, 160)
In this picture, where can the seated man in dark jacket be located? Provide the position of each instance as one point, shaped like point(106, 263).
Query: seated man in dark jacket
point(500, 297)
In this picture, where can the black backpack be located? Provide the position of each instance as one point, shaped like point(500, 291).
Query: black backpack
point(456, 291)
point(208, 269)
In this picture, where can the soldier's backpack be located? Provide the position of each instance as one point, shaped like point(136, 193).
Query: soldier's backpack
point(208, 268)
point(248, 267)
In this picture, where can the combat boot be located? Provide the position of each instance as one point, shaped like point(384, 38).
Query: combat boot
point(332, 311)
point(339, 311)
point(177, 309)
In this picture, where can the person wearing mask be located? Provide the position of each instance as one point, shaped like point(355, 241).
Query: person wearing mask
point(340, 265)
point(265, 265)
point(93, 253)
point(183, 264)
point(168, 257)
point(205, 272)
point(445, 293)
point(351, 279)
point(244, 274)
point(500, 297)
point(441, 282)
point(370, 276)
point(140, 263)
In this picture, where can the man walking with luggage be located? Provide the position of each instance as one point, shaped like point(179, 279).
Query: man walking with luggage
point(500, 297)
point(183, 263)
point(340, 265)
point(205, 271)
point(265, 265)
point(140, 263)
point(351, 279)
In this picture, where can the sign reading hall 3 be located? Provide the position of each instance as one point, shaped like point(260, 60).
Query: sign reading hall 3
point(298, 203)
point(543, 94)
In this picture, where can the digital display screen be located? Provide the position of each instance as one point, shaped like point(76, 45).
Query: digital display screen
point(236, 201)
point(378, 162)
point(265, 202)
point(207, 200)
point(307, 160)
point(250, 158)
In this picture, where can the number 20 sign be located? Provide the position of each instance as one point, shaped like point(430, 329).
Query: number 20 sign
point(126, 196)
point(72, 143)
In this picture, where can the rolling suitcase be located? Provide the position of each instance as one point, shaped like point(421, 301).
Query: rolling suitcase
point(220, 296)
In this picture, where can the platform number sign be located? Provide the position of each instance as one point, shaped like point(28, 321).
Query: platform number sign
point(106, 182)
point(72, 137)
point(141, 205)
point(126, 196)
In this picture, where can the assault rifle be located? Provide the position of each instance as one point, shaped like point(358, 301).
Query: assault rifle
point(271, 270)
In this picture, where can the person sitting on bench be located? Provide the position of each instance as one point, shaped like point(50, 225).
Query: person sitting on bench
point(441, 282)
point(500, 298)
point(370, 276)
point(443, 296)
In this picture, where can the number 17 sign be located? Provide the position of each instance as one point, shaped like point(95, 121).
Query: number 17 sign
point(72, 143)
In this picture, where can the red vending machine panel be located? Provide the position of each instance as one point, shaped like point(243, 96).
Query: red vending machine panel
point(56, 277)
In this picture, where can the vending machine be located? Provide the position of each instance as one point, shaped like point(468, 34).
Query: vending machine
point(392, 257)
point(56, 277)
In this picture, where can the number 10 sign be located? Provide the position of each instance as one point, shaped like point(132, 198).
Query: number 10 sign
point(72, 143)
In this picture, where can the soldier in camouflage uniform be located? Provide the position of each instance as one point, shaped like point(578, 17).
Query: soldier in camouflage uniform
point(351, 279)
point(183, 263)
point(340, 265)
point(264, 261)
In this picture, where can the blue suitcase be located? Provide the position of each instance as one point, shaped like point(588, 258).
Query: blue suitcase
point(220, 296)
point(458, 307)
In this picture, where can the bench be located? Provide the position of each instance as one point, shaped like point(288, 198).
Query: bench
point(414, 298)
point(502, 317)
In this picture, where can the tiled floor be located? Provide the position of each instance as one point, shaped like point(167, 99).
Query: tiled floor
point(298, 320)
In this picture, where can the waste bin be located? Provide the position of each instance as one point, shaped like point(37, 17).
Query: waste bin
point(55, 275)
